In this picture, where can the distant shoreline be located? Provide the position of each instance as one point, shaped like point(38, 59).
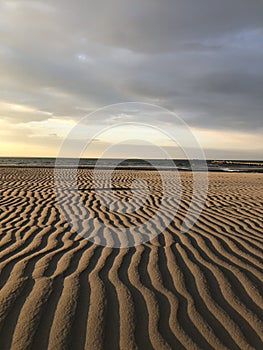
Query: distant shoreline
point(140, 168)
point(240, 166)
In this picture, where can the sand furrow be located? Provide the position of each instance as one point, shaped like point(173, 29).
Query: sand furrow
point(30, 314)
point(214, 252)
point(97, 305)
point(152, 308)
point(226, 300)
point(126, 314)
point(191, 319)
point(60, 332)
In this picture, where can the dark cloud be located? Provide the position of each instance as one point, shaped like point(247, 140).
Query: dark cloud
point(154, 26)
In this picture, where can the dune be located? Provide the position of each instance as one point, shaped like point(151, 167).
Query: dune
point(201, 289)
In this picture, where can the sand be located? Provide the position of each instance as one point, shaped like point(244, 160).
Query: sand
point(197, 290)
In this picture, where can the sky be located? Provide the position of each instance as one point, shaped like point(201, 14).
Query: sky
point(200, 59)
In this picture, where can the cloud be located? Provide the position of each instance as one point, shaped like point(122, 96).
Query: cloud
point(202, 59)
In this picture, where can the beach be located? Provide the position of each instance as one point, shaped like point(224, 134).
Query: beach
point(201, 289)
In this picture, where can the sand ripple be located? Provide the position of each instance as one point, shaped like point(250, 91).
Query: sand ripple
point(197, 290)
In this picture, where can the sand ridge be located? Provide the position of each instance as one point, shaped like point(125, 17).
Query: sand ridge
point(197, 290)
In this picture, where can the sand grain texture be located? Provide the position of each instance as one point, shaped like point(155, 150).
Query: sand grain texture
point(197, 290)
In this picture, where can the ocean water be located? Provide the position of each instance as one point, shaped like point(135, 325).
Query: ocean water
point(91, 162)
point(180, 164)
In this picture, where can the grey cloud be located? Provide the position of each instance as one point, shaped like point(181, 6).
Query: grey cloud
point(202, 59)
point(153, 26)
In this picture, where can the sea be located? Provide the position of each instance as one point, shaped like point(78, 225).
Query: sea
point(162, 164)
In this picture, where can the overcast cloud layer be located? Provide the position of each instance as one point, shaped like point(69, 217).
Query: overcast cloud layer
point(199, 58)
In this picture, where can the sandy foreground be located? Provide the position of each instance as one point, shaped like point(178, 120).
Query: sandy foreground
point(196, 290)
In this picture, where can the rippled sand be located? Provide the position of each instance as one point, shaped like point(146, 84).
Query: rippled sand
point(197, 290)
